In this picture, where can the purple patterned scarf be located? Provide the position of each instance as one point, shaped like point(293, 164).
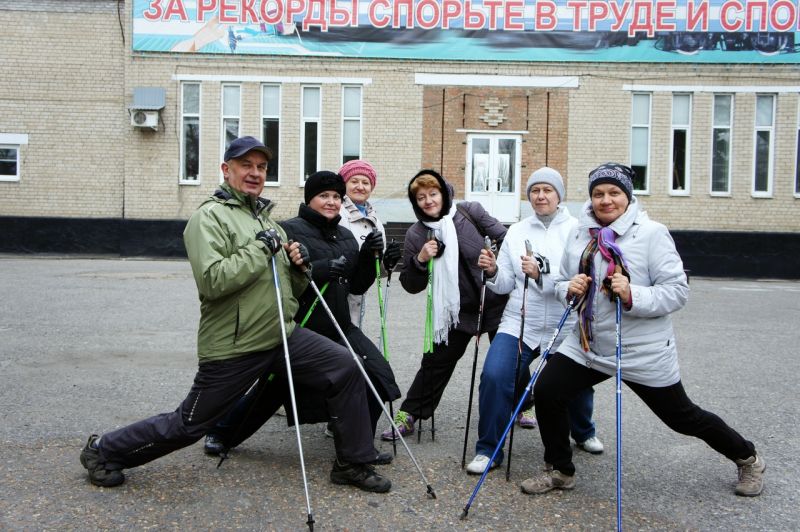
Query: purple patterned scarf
point(603, 240)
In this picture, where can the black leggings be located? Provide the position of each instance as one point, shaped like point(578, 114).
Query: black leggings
point(562, 379)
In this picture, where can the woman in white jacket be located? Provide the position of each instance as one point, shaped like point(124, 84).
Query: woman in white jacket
point(547, 231)
point(618, 251)
point(359, 216)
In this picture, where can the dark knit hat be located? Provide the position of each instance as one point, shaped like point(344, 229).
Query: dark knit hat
point(615, 174)
point(322, 181)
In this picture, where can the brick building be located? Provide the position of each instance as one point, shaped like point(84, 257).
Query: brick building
point(715, 144)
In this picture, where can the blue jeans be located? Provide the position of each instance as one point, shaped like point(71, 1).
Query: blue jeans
point(496, 393)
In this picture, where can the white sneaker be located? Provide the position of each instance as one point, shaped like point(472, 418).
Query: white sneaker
point(592, 445)
point(478, 465)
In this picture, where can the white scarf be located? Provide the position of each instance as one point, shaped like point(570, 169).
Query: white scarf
point(446, 295)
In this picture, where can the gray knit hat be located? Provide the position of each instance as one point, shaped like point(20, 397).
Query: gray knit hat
point(546, 175)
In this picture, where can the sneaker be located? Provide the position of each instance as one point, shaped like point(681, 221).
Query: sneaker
point(592, 445)
point(362, 476)
point(329, 430)
point(549, 480)
point(405, 424)
point(527, 419)
point(98, 474)
point(213, 445)
point(478, 465)
point(751, 476)
point(382, 459)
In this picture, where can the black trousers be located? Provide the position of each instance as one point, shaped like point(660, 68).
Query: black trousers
point(317, 363)
point(239, 424)
point(434, 373)
point(561, 380)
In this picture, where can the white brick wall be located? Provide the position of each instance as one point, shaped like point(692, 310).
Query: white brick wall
point(68, 86)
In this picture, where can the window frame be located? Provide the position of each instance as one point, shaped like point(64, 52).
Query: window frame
point(182, 180)
point(359, 119)
point(305, 120)
point(649, 129)
point(276, 150)
point(13, 141)
point(771, 156)
point(687, 128)
point(729, 190)
point(223, 118)
point(796, 192)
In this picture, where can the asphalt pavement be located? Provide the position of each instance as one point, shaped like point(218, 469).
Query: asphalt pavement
point(88, 345)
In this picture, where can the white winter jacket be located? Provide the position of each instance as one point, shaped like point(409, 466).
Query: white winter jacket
point(360, 226)
point(658, 288)
point(543, 310)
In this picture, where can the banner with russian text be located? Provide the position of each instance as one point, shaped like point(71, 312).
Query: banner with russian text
point(685, 31)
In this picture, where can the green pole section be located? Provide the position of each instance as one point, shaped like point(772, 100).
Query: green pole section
point(314, 305)
point(427, 346)
point(385, 348)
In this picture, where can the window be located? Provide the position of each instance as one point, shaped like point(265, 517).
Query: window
point(351, 123)
point(640, 140)
point(271, 127)
point(231, 111)
point(681, 142)
point(310, 132)
point(763, 145)
point(10, 145)
point(721, 144)
point(190, 133)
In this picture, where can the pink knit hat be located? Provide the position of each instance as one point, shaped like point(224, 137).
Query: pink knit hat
point(358, 167)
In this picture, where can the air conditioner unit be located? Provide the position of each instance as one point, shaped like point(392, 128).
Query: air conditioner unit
point(141, 118)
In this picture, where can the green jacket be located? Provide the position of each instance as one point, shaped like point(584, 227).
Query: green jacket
point(234, 277)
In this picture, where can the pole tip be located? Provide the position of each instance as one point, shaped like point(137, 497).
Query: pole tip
point(464, 514)
point(310, 522)
point(222, 456)
point(431, 493)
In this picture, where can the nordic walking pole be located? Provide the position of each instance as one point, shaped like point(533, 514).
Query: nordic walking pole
point(371, 386)
point(528, 388)
point(520, 343)
point(619, 411)
point(487, 245)
point(384, 347)
point(310, 521)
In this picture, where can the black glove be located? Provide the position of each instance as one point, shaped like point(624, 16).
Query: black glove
point(392, 255)
point(304, 255)
point(440, 248)
point(271, 239)
point(338, 269)
point(373, 244)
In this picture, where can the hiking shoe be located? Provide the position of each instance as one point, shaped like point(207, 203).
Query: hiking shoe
point(383, 459)
point(405, 424)
point(751, 476)
point(527, 419)
point(548, 480)
point(329, 430)
point(592, 445)
point(213, 445)
point(98, 474)
point(362, 476)
point(478, 465)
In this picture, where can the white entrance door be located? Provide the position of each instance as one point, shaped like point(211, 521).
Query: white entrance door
point(492, 176)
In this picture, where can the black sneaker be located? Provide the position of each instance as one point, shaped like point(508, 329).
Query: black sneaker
point(362, 476)
point(213, 445)
point(98, 474)
point(383, 459)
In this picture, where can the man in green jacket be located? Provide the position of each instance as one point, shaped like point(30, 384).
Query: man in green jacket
point(230, 241)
